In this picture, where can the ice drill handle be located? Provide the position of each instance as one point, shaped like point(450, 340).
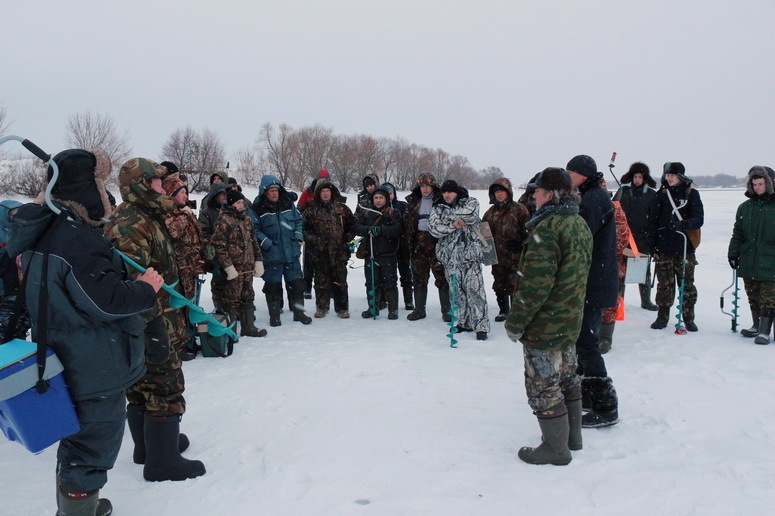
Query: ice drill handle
point(36, 150)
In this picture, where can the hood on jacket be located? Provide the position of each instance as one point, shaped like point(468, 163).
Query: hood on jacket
point(134, 181)
point(215, 189)
point(639, 168)
point(370, 178)
point(503, 184)
point(335, 194)
point(425, 179)
point(5, 212)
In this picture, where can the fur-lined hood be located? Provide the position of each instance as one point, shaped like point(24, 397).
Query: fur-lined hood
point(505, 184)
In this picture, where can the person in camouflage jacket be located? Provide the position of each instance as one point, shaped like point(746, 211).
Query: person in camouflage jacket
point(328, 226)
point(156, 402)
point(238, 253)
point(507, 220)
point(189, 251)
point(546, 315)
point(455, 222)
point(422, 246)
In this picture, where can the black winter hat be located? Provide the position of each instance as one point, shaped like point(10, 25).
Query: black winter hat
point(381, 190)
point(582, 164)
point(170, 166)
point(450, 185)
point(232, 181)
point(76, 182)
point(233, 196)
point(554, 179)
point(677, 168)
point(368, 181)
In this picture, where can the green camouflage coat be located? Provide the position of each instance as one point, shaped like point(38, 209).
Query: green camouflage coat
point(552, 275)
point(328, 226)
point(234, 241)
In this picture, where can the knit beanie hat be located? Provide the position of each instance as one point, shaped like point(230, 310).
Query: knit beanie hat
point(582, 164)
point(233, 196)
point(450, 186)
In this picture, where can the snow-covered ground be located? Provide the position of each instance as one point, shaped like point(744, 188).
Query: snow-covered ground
point(364, 417)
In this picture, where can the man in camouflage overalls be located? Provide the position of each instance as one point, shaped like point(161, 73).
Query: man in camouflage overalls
point(328, 226)
point(422, 246)
point(156, 402)
point(546, 315)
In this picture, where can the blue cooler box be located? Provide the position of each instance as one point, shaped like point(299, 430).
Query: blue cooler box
point(35, 420)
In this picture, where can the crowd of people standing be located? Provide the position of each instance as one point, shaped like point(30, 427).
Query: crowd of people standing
point(557, 282)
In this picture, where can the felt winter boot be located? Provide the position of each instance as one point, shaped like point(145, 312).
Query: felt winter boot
point(605, 403)
point(408, 303)
point(765, 324)
point(645, 298)
point(247, 316)
point(663, 316)
point(446, 306)
point(135, 418)
point(420, 297)
point(274, 302)
point(70, 503)
point(392, 303)
point(503, 306)
point(554, 430)
point(163, 460)
point(573, 404)
point(296, 301)
point(753, 331)
point(606, 337)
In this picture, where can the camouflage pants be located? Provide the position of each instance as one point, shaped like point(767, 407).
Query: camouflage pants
point(331, 282)
point(548, 374)
point(669, 271)
point(239, 292)
point(469, 296)
point(761, 294)
point(425, 262)
point(161, 389)
point(504, 280)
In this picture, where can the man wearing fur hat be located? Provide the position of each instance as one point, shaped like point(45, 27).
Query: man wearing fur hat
point(238, 253)
point(156, 402)
point(602, 291)
point(328, 226)
point(422, 246)
point(93, 321)
point(507, 222)
point(635, 196)
point(754, 227)
point(547, 312)
point(455, 222)
point(187, 241)
point(676, 208)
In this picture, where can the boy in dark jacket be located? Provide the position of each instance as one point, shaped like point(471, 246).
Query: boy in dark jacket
point(381, 227)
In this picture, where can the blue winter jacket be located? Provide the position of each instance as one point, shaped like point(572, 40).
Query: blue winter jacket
point(277, 225)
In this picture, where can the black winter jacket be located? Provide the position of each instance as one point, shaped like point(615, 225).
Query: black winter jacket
point(597, 210)
point(93, 321)
point(664, 240)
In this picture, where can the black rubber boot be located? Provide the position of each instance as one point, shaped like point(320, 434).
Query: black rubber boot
point(135, 418)
point(408, 303)
point(663, 316)
point(391, 296)
point(765, 324)
point(645, 298)
point(71, 503)
point(606, 337)
point(503, 306)
point(163, 461)
point(373, 309)
point(605, 403)
point(420, 297)
point(688, 319)
point(753, 331)
point(554, 431)
point(446, 306)
point(247, 325)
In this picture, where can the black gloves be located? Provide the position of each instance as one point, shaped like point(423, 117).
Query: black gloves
point(734, 261)
point(676, 225)
point(157, 341)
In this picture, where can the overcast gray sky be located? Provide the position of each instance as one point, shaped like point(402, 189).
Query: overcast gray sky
point(516, 84)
